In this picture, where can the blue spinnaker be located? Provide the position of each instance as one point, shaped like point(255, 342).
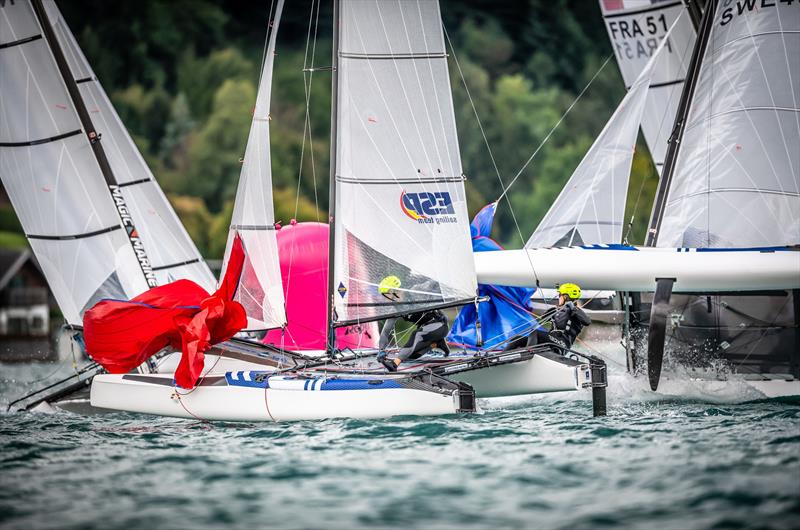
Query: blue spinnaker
point(506, 313)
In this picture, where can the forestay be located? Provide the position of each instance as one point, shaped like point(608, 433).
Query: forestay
point(737, 175)
point(401, 208)
point(170, 250)
point(591, 207)
point(53, 178)
point(635, 28)
point(260, 289)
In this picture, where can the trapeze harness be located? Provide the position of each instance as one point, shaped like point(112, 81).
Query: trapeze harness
point(431, 329)
point(568, 321)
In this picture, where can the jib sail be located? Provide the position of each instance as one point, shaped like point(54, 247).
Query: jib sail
point(591, 207)
point(260, 289)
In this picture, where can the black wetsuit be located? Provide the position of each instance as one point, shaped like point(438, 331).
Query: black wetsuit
point(568, 321)
point(432, 328)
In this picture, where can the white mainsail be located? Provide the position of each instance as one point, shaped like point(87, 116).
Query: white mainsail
point(171, 252)
point(52, 176)
point(401, 208)
point(635, 28)
point(737, 173)
point(260, 289)
point(591, 206)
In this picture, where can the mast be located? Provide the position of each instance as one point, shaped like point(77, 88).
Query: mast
point(94, 141)
point(331, 343)
point(660, 201)
point(695, 9)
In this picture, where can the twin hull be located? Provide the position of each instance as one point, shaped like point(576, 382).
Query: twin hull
point(253, 394)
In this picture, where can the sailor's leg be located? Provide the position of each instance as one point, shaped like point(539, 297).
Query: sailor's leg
point(517, 342)
point(420, 343)
point(537, 336)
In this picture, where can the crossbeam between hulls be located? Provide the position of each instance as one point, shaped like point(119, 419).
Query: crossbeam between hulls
point(624, 268)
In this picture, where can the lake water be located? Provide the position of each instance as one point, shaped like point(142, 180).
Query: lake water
point(701, 461)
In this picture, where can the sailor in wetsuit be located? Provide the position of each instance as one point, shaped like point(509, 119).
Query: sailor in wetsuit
point(567, 321)
point(431, 330)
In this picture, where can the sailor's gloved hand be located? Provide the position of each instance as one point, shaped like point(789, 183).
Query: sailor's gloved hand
point(570, 306)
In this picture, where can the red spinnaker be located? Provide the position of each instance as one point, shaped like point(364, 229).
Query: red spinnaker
point(122, 334)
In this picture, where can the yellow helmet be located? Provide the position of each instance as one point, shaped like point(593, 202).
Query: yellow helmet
point(388, 287)
point(570, 290)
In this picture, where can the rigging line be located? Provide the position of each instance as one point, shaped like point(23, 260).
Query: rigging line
point(772, 99)
point(402, 85)
point(436, 93)
point(306, 89)
point(30, 77)
point(308, 113)
point(435, 137)
point(97, 96)
point(660, 138)
point(306, 125)
point(474, 109)
point(449, 94)
point(758, 135)
point(489, 149)
point(369, 196)
point(746, 173)
point(791, 82)
point(561, 119)
point(386, 105)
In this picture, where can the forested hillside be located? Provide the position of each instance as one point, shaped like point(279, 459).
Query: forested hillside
point(183, 76)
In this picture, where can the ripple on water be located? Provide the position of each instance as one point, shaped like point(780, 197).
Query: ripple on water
point(531, 462)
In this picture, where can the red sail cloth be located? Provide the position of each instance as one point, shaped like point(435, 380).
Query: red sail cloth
point(121, 334)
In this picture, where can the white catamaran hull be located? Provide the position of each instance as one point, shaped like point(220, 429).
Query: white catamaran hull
point(226, 400)
point(624, 268)
point(538, 375)
point(254, 394)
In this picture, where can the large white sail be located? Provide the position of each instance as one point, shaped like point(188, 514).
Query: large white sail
point(590, 208)
point(635, 28)
point(401, 208)
point(171, 252)
point(260, 289)
point(53, 178)
point(737, 173)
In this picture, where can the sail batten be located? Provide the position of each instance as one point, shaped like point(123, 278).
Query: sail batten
point(161, 232)
point(399, 199)
point(52, 176)
point(81, 234)
point(737, 173)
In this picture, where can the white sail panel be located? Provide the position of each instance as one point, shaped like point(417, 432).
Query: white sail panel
point(590, 208)
point(400, 203)
point(260, 288)
point(635, 28)
point(52, 178)
point(737, 175)
point(170, 250)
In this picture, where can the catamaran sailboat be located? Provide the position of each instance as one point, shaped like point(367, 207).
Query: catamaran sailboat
point(398, 208)
point(726, 219)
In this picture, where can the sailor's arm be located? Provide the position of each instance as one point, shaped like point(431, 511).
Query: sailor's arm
point(582, 317)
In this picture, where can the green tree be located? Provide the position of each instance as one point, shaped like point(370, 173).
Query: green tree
point(201, 78)
point(195, 218)
point(215, 154)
